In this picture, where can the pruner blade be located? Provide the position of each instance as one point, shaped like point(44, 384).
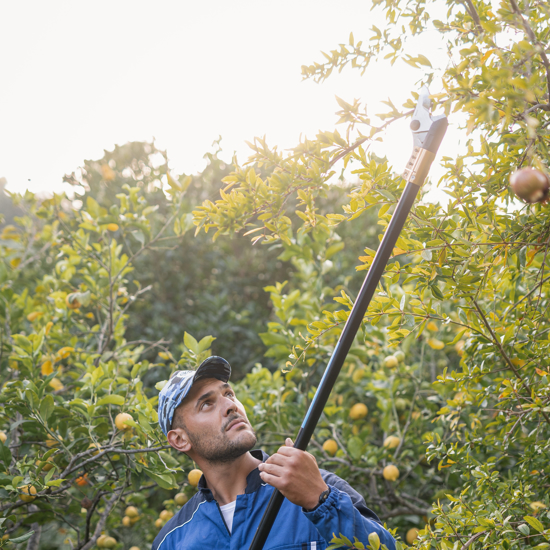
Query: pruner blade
point(422, 120)
point(428, 131)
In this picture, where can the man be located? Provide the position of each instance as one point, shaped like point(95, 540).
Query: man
point(201, 417)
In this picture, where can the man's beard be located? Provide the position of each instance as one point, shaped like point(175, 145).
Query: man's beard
point(219, 450)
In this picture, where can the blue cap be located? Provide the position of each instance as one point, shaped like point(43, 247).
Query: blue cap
point(175, 390)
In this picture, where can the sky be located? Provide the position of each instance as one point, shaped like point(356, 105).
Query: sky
point(79, 77)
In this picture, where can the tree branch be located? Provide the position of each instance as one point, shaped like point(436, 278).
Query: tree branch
point(102, 520)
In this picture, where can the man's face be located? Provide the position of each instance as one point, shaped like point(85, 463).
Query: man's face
point(214, 422)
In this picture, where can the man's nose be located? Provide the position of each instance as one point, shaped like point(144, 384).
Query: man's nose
point(229, 406)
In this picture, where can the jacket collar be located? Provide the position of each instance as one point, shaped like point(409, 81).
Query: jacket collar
point(253, 480)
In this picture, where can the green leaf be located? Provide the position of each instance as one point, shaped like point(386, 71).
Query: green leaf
point(5, 454)
point(534, 523)
point(112, 399)
point(46, 406)
point(22, 538)
point(54, 482)
point(191, 343)
point(205, 343)
point(355, 447)
point(165, 481)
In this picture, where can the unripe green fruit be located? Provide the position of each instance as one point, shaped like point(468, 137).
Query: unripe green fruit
point(400, 356)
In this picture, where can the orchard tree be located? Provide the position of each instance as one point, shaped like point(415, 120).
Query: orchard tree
point(468, 280)
point(79, 440)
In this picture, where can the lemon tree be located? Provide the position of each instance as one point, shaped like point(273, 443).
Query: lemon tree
point(465, 294)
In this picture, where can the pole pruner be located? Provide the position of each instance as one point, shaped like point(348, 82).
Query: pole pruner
point(428, 132)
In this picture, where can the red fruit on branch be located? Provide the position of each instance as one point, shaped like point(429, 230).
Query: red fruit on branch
point(530, 184)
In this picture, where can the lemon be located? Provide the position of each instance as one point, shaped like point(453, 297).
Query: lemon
point(180, 499)
point(391, 442)
point(358, 411)
point(194, 476)
point(400, 356)
point(330, 447)
point(390, 472)
point(412, 535)
point(131, 512)
point(120, 421)
point(28, 492)
point(165, 515)
point(391, 361)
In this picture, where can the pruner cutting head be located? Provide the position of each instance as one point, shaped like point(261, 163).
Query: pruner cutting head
point(422, 120)
point(428, 131)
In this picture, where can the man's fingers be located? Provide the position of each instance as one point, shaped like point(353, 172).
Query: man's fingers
point(288, 451)
point(278, 459)
point(272, 469)
point(288, 442)
point(274, 481)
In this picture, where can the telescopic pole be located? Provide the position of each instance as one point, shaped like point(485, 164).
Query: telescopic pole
point(415, 173)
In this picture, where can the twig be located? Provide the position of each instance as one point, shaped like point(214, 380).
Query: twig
point(471, 540)
point(102, 520)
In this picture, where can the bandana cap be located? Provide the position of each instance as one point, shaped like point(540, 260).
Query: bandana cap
point(177, 388)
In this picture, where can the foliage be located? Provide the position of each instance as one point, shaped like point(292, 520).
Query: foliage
point(203, 285)
point(68, 370)
point(475, 269)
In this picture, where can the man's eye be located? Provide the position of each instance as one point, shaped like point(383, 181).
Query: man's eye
point(204, 404)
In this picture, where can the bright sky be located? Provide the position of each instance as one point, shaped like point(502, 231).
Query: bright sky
point(80, 77)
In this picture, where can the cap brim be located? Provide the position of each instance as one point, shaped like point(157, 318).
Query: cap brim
point(213, 367)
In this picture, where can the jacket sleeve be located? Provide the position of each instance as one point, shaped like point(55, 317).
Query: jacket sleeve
point(345, 513)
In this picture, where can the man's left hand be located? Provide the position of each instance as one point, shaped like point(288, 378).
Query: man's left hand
point(296, 474)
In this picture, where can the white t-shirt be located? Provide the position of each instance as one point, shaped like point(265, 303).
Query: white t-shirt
point(228, 511)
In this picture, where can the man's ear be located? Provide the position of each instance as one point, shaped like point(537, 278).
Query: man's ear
point(179, 440)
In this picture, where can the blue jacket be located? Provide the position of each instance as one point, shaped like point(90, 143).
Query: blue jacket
point(199, 525)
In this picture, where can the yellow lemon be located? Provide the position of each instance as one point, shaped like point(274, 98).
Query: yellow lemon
point(432, 326)
point(3, 436)
point(109, 542)
point(330, 447)
point(131, 512)
point(112, 227)
point(126, 521)
point(358, 411)
point(165, 515)
point(391, 442)
point(391, 361)
point(180, 499)
point(390, 472)
point(434, 343)
point(158, 523)
point(193, 477)
point(120, 421)
point(412, 535)
point(28, 492)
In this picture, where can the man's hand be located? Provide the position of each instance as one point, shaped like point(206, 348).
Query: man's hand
point(296, 474)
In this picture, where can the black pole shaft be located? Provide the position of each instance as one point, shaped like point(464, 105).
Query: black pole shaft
point(341, 351)
point(417, 170)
